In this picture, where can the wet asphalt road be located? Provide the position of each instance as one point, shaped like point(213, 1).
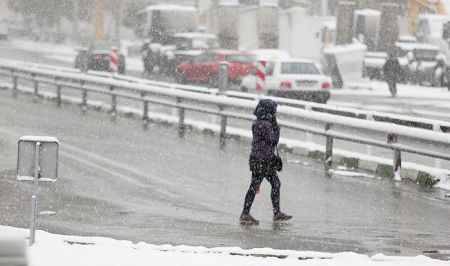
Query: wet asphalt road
point(119, 181)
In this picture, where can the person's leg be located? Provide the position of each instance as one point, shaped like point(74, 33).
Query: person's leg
point(257, 178)
point(391, 87)
point(274, 181)
point(394, 87)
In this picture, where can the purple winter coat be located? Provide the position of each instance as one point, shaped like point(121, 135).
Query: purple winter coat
point(266, 132)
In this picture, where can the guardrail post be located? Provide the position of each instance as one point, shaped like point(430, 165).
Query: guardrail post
point(328, 163)
point(308, 135)
point(369, 117)
point(223, 128)
point(181, 113)
point(113, 110)
point(15, 89)
point(145, 119)
point(397, 162)
point(36, 87)
point(58, 91)
point(83, 98)
point(397, 165)
point(437, 162)
point(223, 77)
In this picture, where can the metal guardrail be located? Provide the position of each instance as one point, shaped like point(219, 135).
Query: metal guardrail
point(229, 107)
point(410, 121)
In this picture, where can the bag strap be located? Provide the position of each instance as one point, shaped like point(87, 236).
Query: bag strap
point(276, 148)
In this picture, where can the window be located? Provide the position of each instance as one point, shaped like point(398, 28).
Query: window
point(269, 68)
point(297, 68)
point(204, 58)
point(240, 58)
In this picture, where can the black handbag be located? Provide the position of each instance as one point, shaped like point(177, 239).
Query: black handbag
point(278, 162)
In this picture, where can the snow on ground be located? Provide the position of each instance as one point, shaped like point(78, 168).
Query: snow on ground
point(379, 88)
point(52, 249)
point(344, 171)
point(43, 47)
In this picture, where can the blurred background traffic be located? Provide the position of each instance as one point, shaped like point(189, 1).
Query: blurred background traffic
point(310, 45)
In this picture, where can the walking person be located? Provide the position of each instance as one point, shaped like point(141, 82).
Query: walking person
point(392, 70)
point(263, 162)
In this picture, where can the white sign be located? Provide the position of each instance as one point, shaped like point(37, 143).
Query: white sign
point(48, 158)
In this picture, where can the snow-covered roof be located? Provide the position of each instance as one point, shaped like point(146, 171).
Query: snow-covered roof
point(193, 35)
point(226, 52)
point(297, 60)
point(270, 54)
point(268, 3)
point(39, 139)
point(434, 17)
point(188, 52)
point(407, 38)
point(376, 54)
point(171, 8)
point(348, 48)
point(368, 12)
point(229, 3)
point(412, 46)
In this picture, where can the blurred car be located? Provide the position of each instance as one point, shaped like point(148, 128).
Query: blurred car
point(205, 67)
point(166, 56)
point(292, 78)
point(97, 57)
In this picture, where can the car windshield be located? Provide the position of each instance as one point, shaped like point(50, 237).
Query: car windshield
point(240, 58)
point(101, 47)
point(297, 68)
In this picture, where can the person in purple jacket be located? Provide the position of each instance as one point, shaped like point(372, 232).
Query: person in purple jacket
point(266, 134)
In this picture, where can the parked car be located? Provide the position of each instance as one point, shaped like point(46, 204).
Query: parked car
point(97, 57)
point(292, 78)
point(205, 67)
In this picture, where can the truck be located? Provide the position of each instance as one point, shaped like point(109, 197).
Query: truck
point(170, 30)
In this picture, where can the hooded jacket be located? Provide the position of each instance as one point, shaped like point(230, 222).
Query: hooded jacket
point(265, 129)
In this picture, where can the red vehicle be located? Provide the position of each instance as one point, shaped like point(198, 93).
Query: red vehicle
point(205, 67)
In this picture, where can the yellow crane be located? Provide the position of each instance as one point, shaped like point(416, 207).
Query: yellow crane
point(416, 7)
point(98, 20)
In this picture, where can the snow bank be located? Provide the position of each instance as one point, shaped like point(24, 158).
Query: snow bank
point(53, 249)
point(349, 60)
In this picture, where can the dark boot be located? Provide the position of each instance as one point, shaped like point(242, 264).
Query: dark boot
point(247, 219)
point(280, 216)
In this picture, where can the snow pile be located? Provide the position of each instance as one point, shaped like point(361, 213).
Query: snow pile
point(349, 60)
point(52, 249)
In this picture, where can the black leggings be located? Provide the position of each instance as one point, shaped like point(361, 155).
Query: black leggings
point(257, 177)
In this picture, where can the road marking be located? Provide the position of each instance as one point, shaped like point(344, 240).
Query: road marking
point(113, 164)
point(116, 164)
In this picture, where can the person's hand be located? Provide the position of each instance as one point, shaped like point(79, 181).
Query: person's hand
point(274, 122)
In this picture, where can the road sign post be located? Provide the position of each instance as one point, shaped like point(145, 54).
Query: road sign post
point(37, 161)
point(34, 195)
point(223, 77)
